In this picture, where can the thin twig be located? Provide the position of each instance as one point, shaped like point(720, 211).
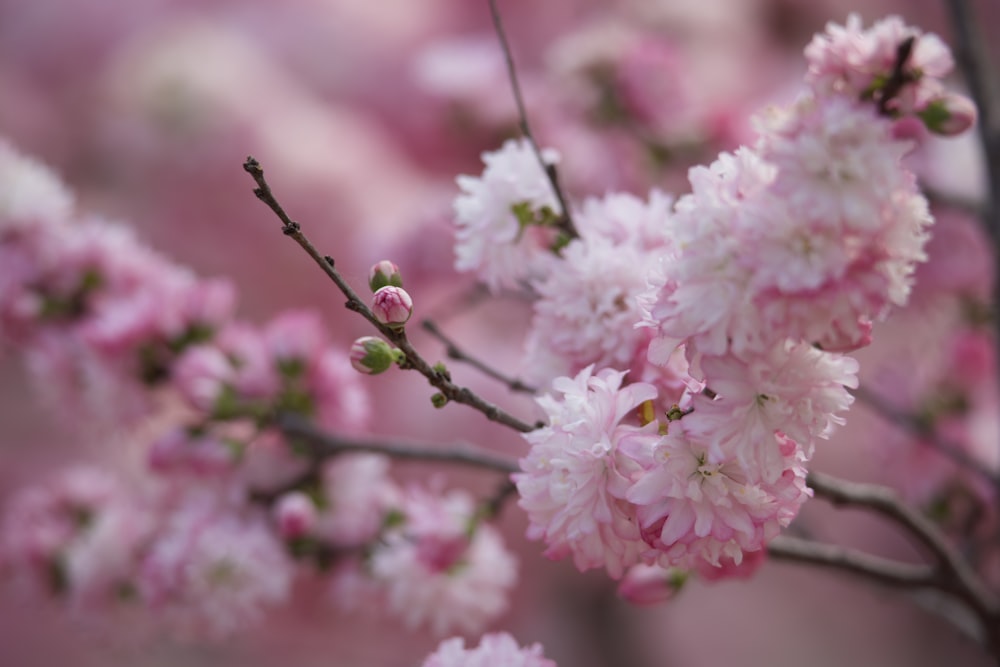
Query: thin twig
point(566, 219)
point(927, 435)
point(437, 378)
point(456, 353)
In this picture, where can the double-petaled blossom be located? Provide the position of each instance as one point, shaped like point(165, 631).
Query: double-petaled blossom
point(812, 235)
point(440, 568)
point(859, 64)
point(211, 572)
point(494, 650)
point(50, 531)
point(694, 510)
point(792, 389)
point(502, 215)
point(572, 480)
point(288, 365)
point(587, 310)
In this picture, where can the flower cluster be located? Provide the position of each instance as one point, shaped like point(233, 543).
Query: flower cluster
point(777, 262)
point(229, 510)
point(98, 315)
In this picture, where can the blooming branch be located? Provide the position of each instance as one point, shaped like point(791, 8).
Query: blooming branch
point(438, 378)
point(566, 218)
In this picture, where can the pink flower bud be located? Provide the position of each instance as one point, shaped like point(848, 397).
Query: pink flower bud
point(392, 306)
point(949, 115)
point(384, 273)
point(650, 584)
point(295, 514)
point(371, 356)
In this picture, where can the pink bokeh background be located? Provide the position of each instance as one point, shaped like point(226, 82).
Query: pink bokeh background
point(362, 113)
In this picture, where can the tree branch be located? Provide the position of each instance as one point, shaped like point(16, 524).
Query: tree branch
point(437, 378)
point(873, 568)
point(457, 354)
point(324, 445)
point(951, 575)
point(566, 219)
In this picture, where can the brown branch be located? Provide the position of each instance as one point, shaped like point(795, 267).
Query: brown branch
point(873, 568)
point(883, 571)
point(566, 219)
point(324, 445)
point(456, 353)
point(437, 378)
point(951, 574)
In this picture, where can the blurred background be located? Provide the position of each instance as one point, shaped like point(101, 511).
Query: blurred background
point(362, 114)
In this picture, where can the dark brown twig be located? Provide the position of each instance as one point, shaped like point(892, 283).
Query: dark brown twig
point(456, 353)
point(566, 219)
point(437, 378)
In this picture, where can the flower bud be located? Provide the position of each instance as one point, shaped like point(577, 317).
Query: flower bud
point(295, 514)
point(650, 584)
point(384, 273)
point(949, 115)
point(371, 355)
point(392, 306)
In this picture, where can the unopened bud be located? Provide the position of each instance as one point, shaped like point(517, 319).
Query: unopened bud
point(295, 514)
point(384, 273)
point(371, 356)
point(392, 305)
point(949, 115)
point(650, 584)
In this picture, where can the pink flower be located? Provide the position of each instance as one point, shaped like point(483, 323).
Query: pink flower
point(692, 509)
point(201, 375)
point(586, 311)
point(494, 650)
point(792, 389)
point(572, 487)
point(358, 495)
point(295, 340)
point(856, 63)
point(340, 399)
point(30, 193)
point(79, 535)
point(491, 240)
point(210, 572)
point(650, 584)
point(296, 515)
point(392, 306)
point(200, 454)
point(436, 571)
